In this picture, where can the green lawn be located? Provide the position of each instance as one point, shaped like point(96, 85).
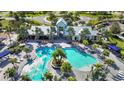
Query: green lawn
point(4, 23)
point(119, 42)
point(97, 15)
point(29, 14)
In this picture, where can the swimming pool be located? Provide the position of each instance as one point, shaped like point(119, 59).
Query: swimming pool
point(76, 58)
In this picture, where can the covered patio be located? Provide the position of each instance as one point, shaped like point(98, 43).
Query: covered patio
point(4, 53)
point(114, 48)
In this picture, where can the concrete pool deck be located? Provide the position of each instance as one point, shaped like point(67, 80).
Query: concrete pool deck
point(80, 74)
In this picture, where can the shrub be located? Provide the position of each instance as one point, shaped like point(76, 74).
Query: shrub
point(85, 42)
point(71, 78)
point(106, 52)
point(95, 46)
point(66, 67)
point(48, 76)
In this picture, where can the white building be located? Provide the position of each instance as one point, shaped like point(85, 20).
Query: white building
point(62, 28)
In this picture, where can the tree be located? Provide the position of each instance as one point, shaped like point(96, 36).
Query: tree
point(75, 16)
point(107, 34)
point(84, 32)
point(97, 72)
point(25, 78)
point(58, 55)
point(22, 31)
point(27, 50)
point(8, 31)
point(48, 76)
point(71, 78)
point(10, 72)
point(106, 52)
point(122, 54)
point(85, 42)
point(39, 32)
point(66, 68)
point(94, 46)
point(121, 16)
point(115, 28)
point(109, 62)
point(51, 16)
point(71, 32)
point(52, 31)
point(13, 61)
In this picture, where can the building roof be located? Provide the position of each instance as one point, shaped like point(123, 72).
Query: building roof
point(61, 20)
point(43, 28)
point(93, 32)
point(78, 29)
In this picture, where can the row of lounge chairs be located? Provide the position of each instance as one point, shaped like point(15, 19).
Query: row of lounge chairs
point(119, 76)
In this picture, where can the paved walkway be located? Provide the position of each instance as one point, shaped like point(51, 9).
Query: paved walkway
point(21, 66)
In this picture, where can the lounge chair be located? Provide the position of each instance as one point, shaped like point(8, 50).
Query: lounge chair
point(119, 76)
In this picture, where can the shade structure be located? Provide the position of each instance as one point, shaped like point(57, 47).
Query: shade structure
point(4, 53)
point(115, 48)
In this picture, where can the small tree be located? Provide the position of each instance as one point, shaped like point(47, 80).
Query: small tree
point(48, 75)
point(27, 50)
point(95, 46)
point(109, 62)
point(97, 72)
point(122, 54)
point(66, 68)
point(13, 61)
point(115, 28)
point(58, 55)
point(25, 78)
point(84, 32)
point(106, 53)
point(71, 78)
point(10, 72)
point(85, 42)
point(71, 32)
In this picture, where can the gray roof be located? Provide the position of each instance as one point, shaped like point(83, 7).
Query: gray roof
point(78, 29)
point(93, 32)
point(61, 20)
point(43, 28)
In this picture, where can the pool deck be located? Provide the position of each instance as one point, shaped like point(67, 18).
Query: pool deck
point(81, 74)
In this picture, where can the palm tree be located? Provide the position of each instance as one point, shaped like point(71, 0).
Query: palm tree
point(10, 73)
point(71, 32)
point(48, 76)
point(13, 61)
point(71, 78)
point(115, 28)
point(27, 50)
point(109, 62)
point(58, 55)
point(97, 72)
point(75, 16)
point(38, 31)
point(84, 32)
point(25, 78)
point(52, 31)
point(66, 68)
point(51, 16)
point(22, 31)
point(106, 53)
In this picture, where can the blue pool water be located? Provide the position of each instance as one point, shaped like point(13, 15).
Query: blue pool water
point(76, 58)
